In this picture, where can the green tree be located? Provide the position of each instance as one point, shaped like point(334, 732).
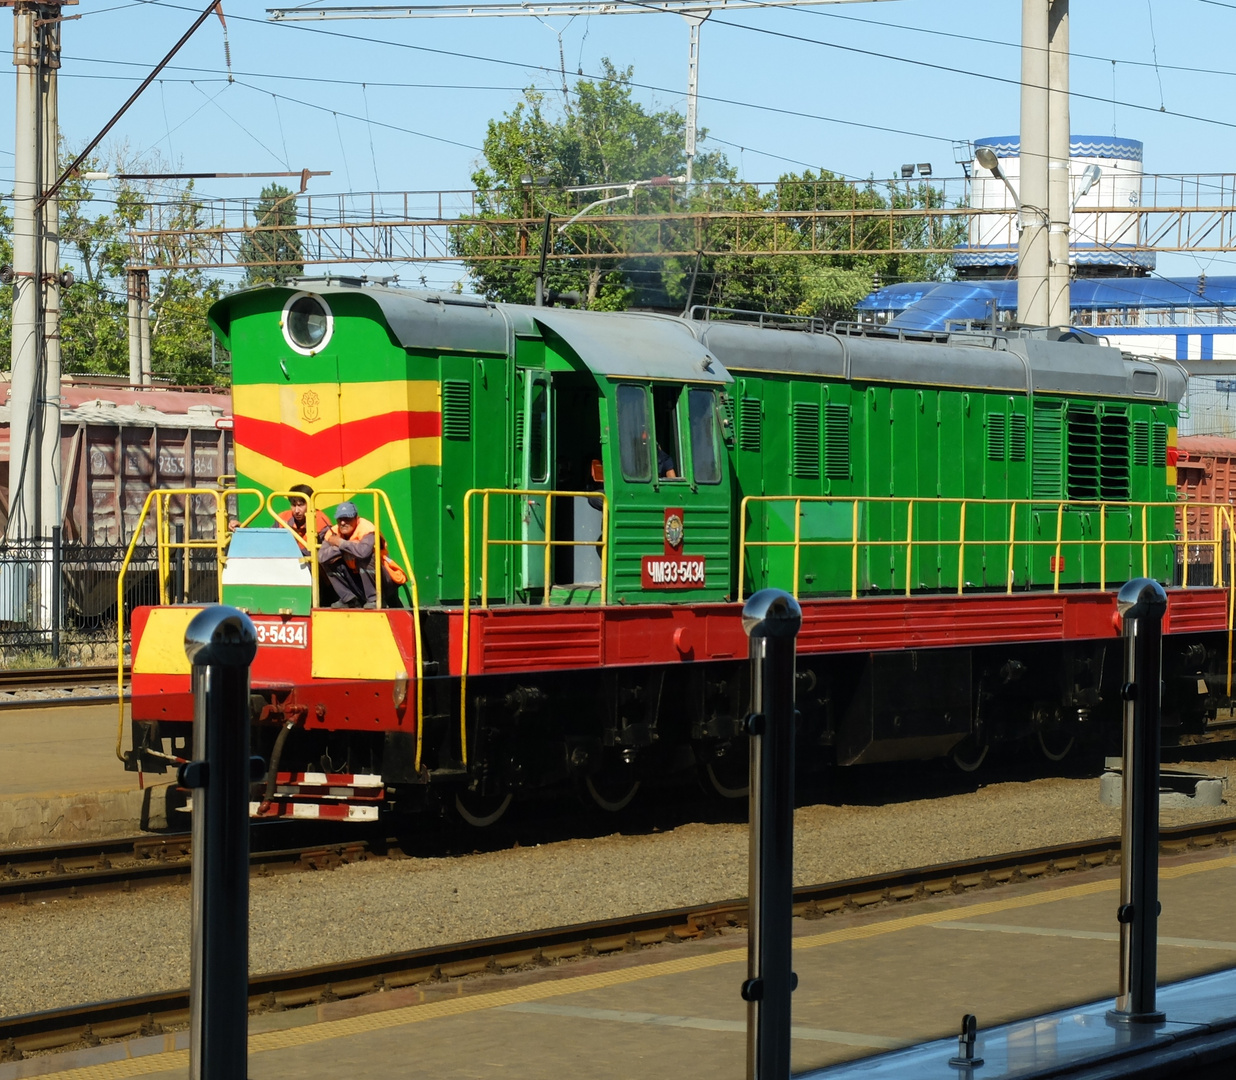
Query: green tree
point(6, 291)
point(273, 242)
point(95, 245)
point(805, 279)
point(534, 152)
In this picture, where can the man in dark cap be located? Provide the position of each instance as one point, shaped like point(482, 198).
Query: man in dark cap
point(347, 558)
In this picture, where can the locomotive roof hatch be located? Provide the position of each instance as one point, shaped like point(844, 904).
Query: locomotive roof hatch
point(623, 346)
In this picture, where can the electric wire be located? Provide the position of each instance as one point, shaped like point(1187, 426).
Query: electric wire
point(373, 157)
point(1073, 53)
point(515, 89)
point(215, 102)
point(1154, 52)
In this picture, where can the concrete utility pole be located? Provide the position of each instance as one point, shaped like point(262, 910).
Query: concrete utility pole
point(50, 465)
point(34, 430)
point(140, 371)
point(1059, 202)
point(1032, 252)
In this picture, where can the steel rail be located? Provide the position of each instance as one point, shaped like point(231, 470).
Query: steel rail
point(151, 1014)
point(59, 679)
point(73, 870)
point(56, 678)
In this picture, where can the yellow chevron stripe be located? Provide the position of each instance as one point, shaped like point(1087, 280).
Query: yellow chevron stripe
point(361, 473)
point(313, 407)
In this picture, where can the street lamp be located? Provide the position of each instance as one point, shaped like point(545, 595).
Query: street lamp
point(1089, 177)
point(986, 157)
point(629, 190)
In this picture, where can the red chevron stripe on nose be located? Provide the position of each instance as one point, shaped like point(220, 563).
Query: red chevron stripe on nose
point(337, 445)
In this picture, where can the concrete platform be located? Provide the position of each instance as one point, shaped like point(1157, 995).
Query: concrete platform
point(62, 781)
point(870, 982)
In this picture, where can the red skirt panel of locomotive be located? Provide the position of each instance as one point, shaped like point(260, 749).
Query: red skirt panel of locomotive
point(368, 682)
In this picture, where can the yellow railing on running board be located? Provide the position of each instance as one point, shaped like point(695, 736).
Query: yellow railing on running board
point(1222, 518)
point(381, 500)
point(162, 501)
point(1220, 546)
point(547, 542)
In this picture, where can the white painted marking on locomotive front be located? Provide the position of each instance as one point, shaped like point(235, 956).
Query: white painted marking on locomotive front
point(702, 1023)
point(1085, 935)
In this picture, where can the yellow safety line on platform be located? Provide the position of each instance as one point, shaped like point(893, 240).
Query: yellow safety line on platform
point(309, 1034)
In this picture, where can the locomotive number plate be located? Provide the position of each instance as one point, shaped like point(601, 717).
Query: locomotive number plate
point(292, 635)
point(683, 572)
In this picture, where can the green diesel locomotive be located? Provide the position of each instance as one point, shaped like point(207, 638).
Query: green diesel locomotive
point(581, 501)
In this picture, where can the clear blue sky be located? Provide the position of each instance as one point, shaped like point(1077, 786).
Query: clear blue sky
point(298, 100)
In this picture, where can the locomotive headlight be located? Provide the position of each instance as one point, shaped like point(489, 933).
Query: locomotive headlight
point(307, 323)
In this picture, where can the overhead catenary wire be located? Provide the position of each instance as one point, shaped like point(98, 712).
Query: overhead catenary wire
point(215, 102)
point(801, 114)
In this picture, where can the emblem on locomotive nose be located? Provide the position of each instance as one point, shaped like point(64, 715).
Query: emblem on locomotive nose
point(309, 407)
point(673, 530)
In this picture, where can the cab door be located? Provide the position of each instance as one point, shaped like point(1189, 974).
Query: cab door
point(536, 458)
point(671, 514)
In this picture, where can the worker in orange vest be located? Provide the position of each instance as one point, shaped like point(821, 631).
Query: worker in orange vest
point(297, 518)
point(347, 557)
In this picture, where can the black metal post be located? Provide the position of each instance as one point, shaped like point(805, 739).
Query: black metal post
point(220, 643)
point(771, 619)
point(540, 271)
point(1141, 604)
point(177, 590)
point(55, 593)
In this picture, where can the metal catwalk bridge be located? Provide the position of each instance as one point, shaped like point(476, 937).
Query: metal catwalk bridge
point(1175, 213)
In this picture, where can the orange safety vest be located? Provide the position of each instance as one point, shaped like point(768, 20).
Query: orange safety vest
point(365, 528)
point(320, 522)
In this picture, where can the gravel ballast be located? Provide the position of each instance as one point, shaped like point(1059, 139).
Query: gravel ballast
point(66, 952)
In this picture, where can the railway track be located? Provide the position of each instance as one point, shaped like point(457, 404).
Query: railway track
point(57, 686)
point(92, 866)
point(90, 1024)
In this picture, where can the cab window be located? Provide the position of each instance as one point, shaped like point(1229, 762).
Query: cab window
point(702, 407)
point(538, 432)
point(665, 421)
point(633, 435)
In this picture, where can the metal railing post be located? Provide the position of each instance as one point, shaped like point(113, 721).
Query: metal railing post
point(771, 619)
point(179, 559)
point(220, 643)
point(55, 593)
point(1141, 604)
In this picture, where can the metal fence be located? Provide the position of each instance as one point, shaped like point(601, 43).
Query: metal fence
point(58, 603)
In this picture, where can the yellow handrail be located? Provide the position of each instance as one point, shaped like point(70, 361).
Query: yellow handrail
point(161, 499)
point(547, 542)
point(332, 497)
point(1220, 512)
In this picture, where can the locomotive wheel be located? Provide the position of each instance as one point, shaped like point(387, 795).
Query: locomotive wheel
point(481, 811)
point(1056, 742)
point(729, 776)
point(611, 791)
point(969, 755)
